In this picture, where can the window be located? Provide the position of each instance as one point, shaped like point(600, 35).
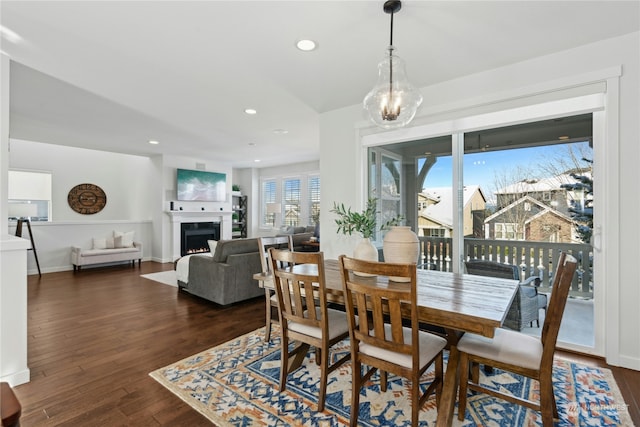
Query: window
point(29, 195)
point(436, 232)
point(268, 197)
point(385, 184)
point(507, 231)
point(314, 198)
point(290, 201)
point(291, 197)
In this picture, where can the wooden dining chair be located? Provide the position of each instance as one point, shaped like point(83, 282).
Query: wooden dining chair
point(519, 353)
point(266, 243)
point(304, 313)
point(379, 339)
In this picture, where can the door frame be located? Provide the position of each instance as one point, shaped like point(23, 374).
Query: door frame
point(603, 104)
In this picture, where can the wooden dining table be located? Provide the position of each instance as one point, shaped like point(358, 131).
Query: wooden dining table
point(458, 303)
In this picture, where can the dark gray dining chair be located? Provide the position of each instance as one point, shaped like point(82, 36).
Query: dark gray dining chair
point(528, 301)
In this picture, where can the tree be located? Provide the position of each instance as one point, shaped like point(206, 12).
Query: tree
point(581, 209)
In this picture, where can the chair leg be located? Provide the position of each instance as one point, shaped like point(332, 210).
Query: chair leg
point(383, 381)
point(324, 373)
point(356, 376)
point(547, 401)
point(475, 372)
point(267, 328)
point(439, 377)
point(284, 365)
point(462, 390)
point(415, 401)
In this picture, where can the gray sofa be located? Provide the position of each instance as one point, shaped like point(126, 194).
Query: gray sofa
point(227, 276)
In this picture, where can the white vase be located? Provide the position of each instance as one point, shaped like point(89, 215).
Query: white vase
point(367, 251)
point(401, 245)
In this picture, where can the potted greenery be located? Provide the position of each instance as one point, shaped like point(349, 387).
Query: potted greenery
point(364, 223)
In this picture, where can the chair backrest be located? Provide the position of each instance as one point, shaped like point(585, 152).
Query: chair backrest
point(385, 300)
point(481, 267)
point(563, 277)
point(299, 279)
point(265, 243)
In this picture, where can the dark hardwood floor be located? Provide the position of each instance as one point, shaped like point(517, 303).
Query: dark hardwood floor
point(95, 335)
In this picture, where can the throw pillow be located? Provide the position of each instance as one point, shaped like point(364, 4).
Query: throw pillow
point(110, 243)
point(126, 239)
point(212, 245)
point(99, 243)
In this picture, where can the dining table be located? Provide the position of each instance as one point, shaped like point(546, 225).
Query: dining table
point(458, 303)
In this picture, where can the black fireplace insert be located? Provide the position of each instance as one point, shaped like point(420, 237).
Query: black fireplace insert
point(194, 236)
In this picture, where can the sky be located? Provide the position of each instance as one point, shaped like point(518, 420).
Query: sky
point(494, 168)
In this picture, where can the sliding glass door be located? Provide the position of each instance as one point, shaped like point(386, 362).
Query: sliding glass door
point(515, 194)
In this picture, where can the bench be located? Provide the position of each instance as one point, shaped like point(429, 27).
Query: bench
point(81, 257)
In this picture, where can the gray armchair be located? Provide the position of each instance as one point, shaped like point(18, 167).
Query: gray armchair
point(527, 302)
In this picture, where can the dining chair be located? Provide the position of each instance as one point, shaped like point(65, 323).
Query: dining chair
point(304, 313)
point(264, 244)
point(379, 339)
point(519, 353)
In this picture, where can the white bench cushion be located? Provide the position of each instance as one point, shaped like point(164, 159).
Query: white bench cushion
point(100, 252)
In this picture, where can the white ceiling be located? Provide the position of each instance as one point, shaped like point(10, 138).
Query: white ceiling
point(111, 75)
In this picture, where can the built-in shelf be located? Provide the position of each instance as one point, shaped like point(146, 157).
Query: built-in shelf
point(239, 216)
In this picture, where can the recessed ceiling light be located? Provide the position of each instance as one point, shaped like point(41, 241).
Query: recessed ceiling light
point(250, 111)
point(280, 131)
point(153, 142)
point(257, 160)
point(306, 45)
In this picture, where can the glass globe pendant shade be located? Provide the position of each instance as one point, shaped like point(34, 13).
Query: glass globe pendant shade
point(393, 101)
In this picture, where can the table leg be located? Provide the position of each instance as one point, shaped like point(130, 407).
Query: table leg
point(450, 388)
point(300, 353)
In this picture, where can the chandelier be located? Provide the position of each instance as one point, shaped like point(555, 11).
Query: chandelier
point(393, 101)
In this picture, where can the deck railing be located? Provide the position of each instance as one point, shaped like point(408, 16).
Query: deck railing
point(534, 258)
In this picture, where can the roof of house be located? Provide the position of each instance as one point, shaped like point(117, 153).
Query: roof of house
point(441, 212)
point(539, 185)
point(544, 209)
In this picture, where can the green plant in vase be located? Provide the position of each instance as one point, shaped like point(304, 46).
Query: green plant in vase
point(364, 222)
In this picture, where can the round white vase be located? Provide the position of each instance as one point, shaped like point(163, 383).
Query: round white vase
point(367, 251)
point(401, 245)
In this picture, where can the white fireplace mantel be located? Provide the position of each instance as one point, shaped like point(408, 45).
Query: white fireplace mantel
point(179, 217)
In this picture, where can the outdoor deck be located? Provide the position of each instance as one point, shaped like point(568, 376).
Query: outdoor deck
point(577, 323)
point(534, 259)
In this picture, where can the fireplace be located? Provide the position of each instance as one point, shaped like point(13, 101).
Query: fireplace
point(194, 236)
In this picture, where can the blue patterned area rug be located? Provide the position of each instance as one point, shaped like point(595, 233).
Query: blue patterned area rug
point(236, 384)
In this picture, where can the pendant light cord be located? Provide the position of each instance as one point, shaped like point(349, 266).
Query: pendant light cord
point(391, 33)
point(390, 64)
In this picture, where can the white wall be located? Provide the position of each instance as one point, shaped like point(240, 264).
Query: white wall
point(125, 179)
point(4, 138)
point(526, 82)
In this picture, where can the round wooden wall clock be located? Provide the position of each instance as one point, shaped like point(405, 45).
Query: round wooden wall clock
point(87, 199)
